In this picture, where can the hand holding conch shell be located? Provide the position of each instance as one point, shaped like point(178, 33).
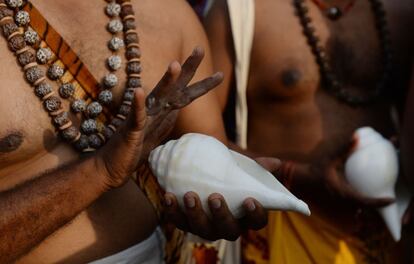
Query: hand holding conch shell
point(199, 165)
point(333, 178)
point(222, 224)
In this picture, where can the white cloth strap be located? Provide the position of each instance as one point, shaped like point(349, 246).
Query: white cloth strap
point(242, 18)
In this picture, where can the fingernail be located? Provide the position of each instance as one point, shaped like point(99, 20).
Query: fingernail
point(250, 206)
point(168, 200)
point(190, 202)
point(216, 203)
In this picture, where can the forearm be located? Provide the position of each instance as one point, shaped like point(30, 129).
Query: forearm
point(34, 210)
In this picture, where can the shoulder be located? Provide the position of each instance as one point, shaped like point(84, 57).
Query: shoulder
point(174, 19)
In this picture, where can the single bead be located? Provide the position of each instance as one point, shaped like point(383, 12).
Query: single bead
point(89, 126)
point(43, 89)
point(334, 13)
point(100, 126)
point(124, 110)
point(17, 43)
point(108, 133)
point(126, 11)
point(116, 122)
point(129, 24)
point(43, 55)
point(114, 62)
point(115, 26)
point(134, 67)
point(94, 109)
point(26, 58)
point(5, 12)
point(113, 9)
point(33, 74)
point(9, 28)
point(131, 38)
point(22, 18)
point(31, 36)
point(78, 106)
point(110, 80)
point(66, 90)
point(129, 96)
point(61, 119)
point(14, 3)
point(52, 104)
point(134, 82)
point(115, 44)
point(313, 40)
point(95, 141)
point(70, 133)
point(55, 72)
point(133, 53)
point(82, 143)
point(105, 97)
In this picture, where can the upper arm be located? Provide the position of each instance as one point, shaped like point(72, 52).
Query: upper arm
point(218, 28)
point(204, 114)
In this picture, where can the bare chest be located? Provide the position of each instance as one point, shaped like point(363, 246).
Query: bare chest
point(283, 64)
point(25, 127)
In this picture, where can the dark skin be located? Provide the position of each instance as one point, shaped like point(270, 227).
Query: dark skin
point(58, 196)
point(290, 115)
point(30, 147)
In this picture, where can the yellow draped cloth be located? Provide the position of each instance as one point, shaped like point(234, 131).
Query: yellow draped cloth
point(291, 238)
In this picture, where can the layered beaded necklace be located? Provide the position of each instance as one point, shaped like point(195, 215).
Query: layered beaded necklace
point(329, 80)
point(26, 45)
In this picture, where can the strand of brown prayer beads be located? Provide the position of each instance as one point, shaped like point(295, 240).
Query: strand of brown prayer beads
point(24, 42)
point(329, 79)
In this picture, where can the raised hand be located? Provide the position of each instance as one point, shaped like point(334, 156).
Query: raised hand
point(152, 120)
point(172, 93)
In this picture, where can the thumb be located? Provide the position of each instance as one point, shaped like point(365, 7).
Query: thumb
point(139, 115)
point(270, 164)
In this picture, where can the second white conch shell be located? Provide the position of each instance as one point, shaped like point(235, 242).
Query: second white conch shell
point(204, 165)
point(372, 169)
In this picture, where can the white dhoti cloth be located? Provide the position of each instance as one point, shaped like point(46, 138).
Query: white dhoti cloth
point(149, 251)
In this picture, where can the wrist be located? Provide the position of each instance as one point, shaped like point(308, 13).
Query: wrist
point(101, 173)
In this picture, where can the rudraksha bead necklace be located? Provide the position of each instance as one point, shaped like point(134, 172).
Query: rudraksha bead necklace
point(329, 80)
point(24, 42)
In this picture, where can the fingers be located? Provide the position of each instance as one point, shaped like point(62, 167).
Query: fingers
point(256, 216)
point(270, 164)
point(197, 219)
point(160, 92)
point(223, 221)
point(198, 89)
point(354, 195)
point(190, 67)
point(173, 212)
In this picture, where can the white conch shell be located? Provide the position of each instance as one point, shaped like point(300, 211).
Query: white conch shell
point(372, 169)
point(204, 165)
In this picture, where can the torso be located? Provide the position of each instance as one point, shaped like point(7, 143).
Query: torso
point(29, 144)
point(290, 115)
